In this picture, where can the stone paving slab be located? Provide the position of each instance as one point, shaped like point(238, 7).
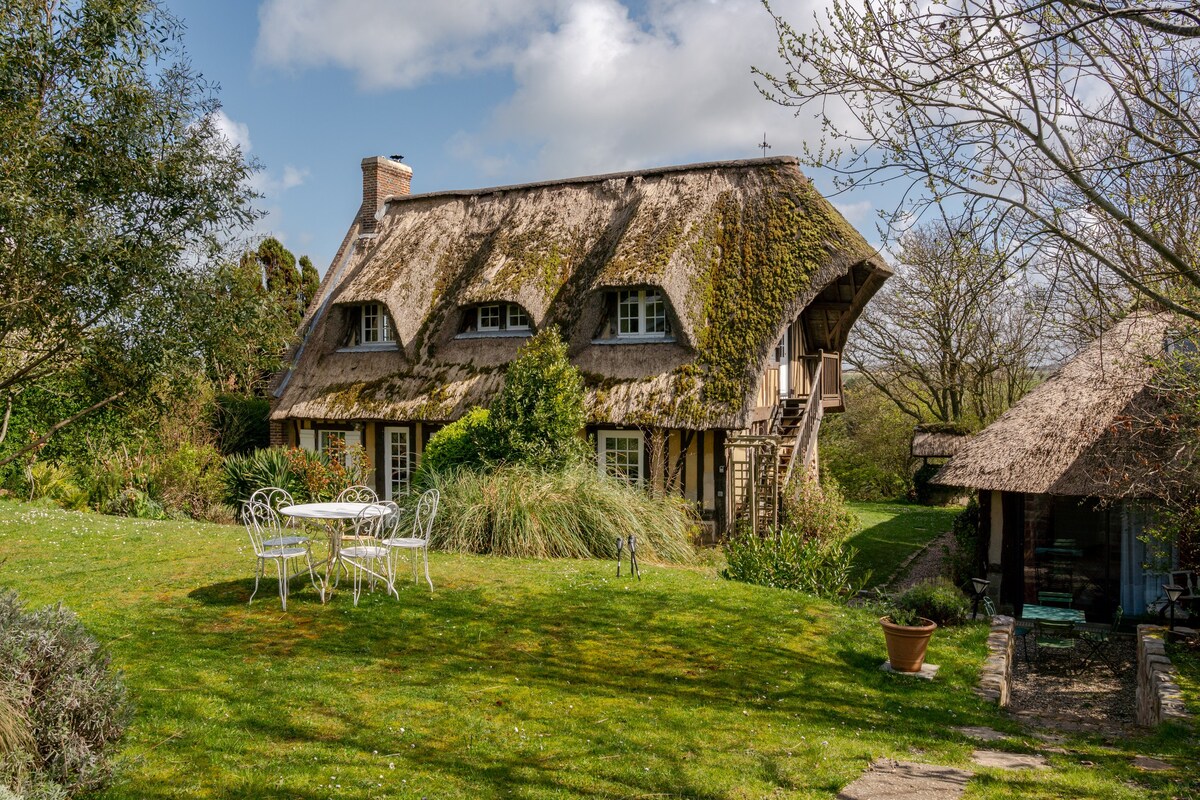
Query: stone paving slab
point(1002, 760)
point(1150, 764)
point(981, 733)
point(902, 780)
point(927, 672)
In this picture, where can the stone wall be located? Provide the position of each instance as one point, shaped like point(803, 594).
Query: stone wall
point(1158, 697)
point(995, 678)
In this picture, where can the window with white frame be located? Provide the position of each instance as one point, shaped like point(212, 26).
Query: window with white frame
point(495, 319)
point(637, 314)
point(621, 455)
point(333, 442)
point(371, 326)
point(518, 320)
point(396, 462)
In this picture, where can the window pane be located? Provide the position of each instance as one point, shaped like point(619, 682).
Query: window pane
point(386, 323)
point(656, 313)
point(517, 319)
point(397, 462)
point(627, 313)
point(370, 323)
point(623, 457)
point(489, 318)
point(328, 439)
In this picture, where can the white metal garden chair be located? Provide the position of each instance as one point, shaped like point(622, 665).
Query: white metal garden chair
point(273, 499)
point(418, 543)
point(367, 558)
point(261, 529)
point(357, 494)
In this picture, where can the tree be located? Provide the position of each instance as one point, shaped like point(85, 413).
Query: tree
point(115, 189)
point(538, 417)
point(1069, 128)
point(955, 335)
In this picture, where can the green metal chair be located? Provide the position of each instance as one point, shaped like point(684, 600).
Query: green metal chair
point(1099, 639)
point(1054, 637)
point(1063, 599)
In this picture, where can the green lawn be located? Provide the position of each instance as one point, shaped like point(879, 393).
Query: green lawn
point(530, 679)
point(894, 531)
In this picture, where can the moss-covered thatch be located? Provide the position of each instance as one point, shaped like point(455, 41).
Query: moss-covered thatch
point(1058, 438)
point(738, 249)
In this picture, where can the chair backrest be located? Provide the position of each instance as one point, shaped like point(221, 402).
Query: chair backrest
point(275, 498)
point(357, 494)
point(1118, 615)
point(989, 607)
point(370, 522)
point(427, 508)
point(262, 522)
point(1064, 599)
point(389, 526)
point(1055, 628)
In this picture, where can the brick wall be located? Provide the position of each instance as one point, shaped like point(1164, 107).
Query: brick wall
point(382, 178)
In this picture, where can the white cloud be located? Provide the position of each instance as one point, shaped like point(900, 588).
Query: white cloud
point(598, 87)
point(237, 133)
point(397, 43)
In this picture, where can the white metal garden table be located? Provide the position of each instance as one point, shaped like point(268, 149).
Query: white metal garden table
point(332, 514)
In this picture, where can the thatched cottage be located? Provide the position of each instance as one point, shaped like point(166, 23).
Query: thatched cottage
point(700, 302)
point(1063, 496)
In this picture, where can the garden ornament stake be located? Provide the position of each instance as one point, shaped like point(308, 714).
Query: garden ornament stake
point(980, 585)
point(633, 564)
point(620, 546)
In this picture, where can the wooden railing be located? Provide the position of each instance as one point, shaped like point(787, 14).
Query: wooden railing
point(804, 447)
point(831, 378)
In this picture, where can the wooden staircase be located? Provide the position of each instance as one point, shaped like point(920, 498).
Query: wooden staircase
point(758, 481)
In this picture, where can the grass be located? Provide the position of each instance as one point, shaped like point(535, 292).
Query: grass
point(892, 532)
point(522, 678)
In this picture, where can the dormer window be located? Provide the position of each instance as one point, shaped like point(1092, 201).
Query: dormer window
point(495, 319)
point(635, 315)
point(370, 327)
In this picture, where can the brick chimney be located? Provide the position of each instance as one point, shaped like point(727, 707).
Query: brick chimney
point(382, 178)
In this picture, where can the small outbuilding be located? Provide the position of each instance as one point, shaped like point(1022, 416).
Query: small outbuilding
point(1063, 499)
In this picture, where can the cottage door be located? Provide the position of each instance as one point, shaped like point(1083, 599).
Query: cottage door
point(396, 461)
point(1012, 550)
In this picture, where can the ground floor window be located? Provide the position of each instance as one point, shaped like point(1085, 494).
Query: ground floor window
point(620, 454)
point(397, 461)
point(331, 440)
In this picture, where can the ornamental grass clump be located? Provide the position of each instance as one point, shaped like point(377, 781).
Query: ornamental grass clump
point(574, 512)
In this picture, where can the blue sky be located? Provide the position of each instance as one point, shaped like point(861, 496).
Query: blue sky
point(483, 92)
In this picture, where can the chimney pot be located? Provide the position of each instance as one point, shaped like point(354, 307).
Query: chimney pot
point(382, 178)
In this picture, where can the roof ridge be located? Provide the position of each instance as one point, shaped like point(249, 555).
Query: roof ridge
point(608, 176)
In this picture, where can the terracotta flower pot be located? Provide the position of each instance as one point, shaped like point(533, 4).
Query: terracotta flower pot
point(906, 644)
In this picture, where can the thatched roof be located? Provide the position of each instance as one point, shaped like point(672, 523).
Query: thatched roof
point(1050, 442)
point(935, 444)
point(738, 249)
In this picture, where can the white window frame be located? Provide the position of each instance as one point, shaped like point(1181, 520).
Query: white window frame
point(519, 313)
point(602, 439)
point(641, 299)
point(374, 325)
point(394, 487)
point(479, 326)
point(349, 438)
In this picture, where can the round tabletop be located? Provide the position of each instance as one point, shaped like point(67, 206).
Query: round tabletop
point(334, 510)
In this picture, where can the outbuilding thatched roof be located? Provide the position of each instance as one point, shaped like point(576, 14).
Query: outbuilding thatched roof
point(738, 249)
point(1058, 438)
point(936, 444)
